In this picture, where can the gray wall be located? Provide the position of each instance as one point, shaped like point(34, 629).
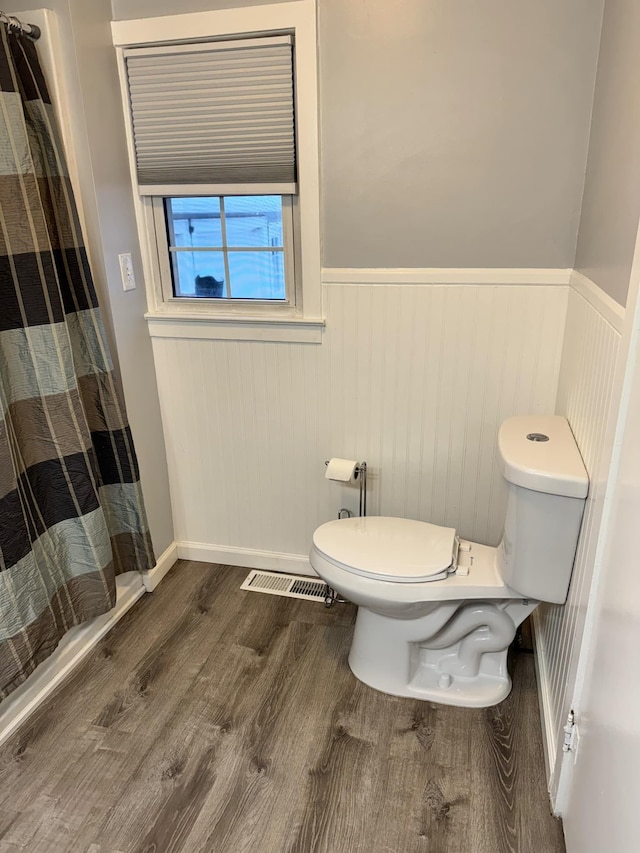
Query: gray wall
point(453, 133)
point(611, 206)
point(104, 118)
point(91, 78)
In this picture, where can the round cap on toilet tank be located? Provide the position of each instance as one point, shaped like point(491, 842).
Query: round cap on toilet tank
point(539, 452)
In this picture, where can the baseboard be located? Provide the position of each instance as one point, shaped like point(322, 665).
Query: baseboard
point(73, 648)
point(549, 743)
point(249, 558)
point(611, 310)
point(164, 563)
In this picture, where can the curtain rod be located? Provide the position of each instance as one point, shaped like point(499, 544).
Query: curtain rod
point(15, 25)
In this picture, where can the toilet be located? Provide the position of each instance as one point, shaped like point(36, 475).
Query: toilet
point(437, 613)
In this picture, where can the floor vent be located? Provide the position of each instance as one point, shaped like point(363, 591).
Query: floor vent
point(289, 586)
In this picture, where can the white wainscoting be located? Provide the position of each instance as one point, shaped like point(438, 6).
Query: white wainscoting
point(414, 378)
point(592, 338)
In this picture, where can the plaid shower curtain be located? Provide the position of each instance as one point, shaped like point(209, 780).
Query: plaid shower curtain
point(71, 510)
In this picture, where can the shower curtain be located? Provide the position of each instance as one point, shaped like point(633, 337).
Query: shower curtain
point(71, 509)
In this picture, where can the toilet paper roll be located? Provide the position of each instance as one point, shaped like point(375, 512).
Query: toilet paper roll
point(343, 470)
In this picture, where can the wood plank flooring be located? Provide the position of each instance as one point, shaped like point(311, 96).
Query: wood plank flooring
point(217, 720)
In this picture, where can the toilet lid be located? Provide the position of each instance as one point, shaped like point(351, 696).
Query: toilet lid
point(391, 549)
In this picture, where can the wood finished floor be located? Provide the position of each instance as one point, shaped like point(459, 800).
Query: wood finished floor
point(217, 720)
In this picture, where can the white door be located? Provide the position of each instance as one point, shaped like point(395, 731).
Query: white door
point(603, 812)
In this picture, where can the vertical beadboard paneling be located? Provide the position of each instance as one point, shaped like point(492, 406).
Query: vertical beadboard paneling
point(413, 378)
point(584, 396)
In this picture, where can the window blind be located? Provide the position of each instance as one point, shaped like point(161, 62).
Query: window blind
point(214, 114)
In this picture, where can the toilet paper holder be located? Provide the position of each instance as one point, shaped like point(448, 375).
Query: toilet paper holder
point(360, 475)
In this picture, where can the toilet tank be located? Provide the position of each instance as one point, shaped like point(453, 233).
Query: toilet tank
point(547, 486)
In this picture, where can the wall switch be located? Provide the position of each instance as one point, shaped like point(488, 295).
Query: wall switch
point(126, 272)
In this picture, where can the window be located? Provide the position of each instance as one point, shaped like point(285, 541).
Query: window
point(224, 159)
point(229, 247)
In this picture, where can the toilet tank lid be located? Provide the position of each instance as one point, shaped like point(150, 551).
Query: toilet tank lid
point(387, 548)
point(552, 465)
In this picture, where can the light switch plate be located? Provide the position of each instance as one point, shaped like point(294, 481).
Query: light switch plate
point(126, 272)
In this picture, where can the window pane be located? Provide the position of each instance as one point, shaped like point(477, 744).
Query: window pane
point(198, 274)
point(194, 221)
point(257, 275)
point(253, 220)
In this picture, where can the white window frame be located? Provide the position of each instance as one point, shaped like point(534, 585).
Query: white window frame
point(301, 319)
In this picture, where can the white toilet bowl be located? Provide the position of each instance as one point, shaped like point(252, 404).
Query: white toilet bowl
point(435, 619)
point(436, 614)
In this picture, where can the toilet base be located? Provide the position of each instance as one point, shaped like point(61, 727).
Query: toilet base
point(455, 655)
point(480, 691)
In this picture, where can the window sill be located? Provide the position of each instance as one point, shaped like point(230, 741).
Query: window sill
point(212, 328)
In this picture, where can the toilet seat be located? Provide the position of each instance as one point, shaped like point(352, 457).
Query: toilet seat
point(396, 550)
